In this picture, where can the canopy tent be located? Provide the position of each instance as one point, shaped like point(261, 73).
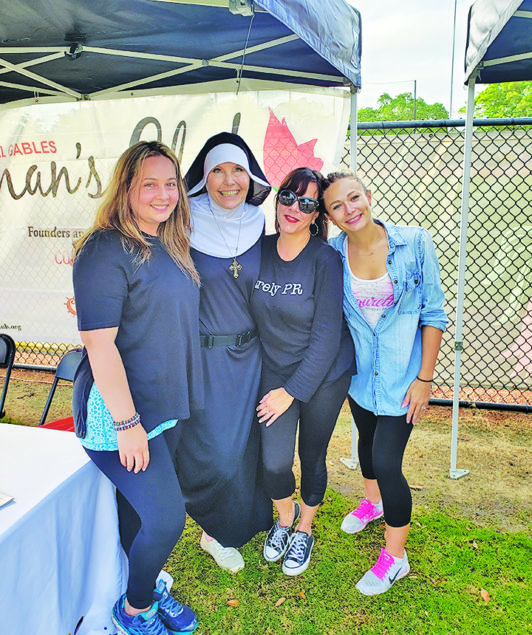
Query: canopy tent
point(63, 50)
point(498, 49)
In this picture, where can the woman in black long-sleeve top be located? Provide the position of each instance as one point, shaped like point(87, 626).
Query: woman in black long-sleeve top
point(308, 361)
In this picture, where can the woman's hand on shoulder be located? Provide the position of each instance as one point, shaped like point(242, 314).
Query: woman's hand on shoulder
point(133, 448)
point(417, 399)
point(273, 405)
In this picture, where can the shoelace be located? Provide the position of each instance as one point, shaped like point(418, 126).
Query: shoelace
point(364, 509)
point(278, 536)
point(297, 548)
point(170, 606)
point(383, 564)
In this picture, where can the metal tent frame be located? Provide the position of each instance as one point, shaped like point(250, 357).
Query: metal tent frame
point(498, 49)
point(70, 50)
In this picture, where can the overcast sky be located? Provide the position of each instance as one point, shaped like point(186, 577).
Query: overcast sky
point(407, 40)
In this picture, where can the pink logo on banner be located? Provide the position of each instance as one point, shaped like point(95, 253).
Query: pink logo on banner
point(282, 154)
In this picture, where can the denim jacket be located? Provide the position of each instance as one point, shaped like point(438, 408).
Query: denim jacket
point(389, 357)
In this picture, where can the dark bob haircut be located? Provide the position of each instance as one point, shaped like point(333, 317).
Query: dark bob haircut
point(297, 181)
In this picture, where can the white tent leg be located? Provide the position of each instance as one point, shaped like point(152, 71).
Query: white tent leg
point(354, 129)
point(458, 342)
point(352, 462)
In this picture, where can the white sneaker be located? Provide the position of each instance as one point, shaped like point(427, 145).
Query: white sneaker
point(166, 578)
point(356, 520)
point(383, 574)
point(227, 558)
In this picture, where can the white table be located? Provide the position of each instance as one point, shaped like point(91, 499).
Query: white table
point(60, 553)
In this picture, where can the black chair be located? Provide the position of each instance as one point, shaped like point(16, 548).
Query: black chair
point(7, 359)
point(66, 369)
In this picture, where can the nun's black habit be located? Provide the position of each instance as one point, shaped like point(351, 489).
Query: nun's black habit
point(218, 460)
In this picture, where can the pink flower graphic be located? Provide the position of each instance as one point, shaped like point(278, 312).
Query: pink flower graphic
point(522, 347)
point(282, 154)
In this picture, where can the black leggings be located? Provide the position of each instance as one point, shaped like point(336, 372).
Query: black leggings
point(151, 510)
point(317, 419)
point(381, 445)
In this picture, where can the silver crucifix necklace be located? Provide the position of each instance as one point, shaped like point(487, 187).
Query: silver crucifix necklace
point(235, 266)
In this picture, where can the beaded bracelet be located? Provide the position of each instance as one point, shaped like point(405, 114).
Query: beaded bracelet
point(425, 381)
point(127, 423)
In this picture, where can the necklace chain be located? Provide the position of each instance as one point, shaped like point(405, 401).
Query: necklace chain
point(235, 266)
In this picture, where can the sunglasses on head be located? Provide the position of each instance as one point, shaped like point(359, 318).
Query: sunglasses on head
point(306, 204)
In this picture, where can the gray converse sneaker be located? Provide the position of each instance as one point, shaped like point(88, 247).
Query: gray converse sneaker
point(297, 557)
point(276, 542)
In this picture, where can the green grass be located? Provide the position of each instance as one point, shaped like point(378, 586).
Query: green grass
point(452, 560)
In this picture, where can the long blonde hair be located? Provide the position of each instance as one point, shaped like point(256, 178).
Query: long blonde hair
point(115, 211)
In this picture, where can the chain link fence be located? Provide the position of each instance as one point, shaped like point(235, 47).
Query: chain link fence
point(41, 279)
point(414, 170)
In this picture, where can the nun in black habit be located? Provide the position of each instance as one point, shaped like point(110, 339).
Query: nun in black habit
point(217, 459)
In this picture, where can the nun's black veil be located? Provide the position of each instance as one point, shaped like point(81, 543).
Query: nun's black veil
point(257, 191)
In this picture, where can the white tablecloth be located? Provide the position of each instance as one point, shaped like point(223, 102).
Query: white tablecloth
point(60, 554)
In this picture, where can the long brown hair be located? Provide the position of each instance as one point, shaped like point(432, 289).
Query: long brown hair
point(115, 211)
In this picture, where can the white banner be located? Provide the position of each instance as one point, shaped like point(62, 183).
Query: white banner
point(56, 159)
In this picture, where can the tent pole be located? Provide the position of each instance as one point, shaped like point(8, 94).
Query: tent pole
point(458, 342)
point(352, 462)
point(354, 129)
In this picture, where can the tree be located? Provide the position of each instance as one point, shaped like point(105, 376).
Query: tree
point(511, 99)
point(401, 108)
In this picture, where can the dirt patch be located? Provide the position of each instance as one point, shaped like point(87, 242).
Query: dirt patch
point(495, 446)
point(27, 395)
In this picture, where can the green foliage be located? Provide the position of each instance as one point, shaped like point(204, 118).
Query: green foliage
point(464, 579)
point(401, 108)
point(511, 99)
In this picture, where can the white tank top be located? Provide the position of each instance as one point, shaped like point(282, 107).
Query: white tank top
point(373, 296)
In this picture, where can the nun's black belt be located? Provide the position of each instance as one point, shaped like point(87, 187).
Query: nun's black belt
point(208, 341)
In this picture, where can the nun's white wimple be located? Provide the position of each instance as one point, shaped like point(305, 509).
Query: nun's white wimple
point(223, 153)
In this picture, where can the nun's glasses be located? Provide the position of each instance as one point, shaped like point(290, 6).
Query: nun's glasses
point(306, 204)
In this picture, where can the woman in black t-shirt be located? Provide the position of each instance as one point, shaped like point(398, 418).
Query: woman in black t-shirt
point(308, 359)
point(137, 302)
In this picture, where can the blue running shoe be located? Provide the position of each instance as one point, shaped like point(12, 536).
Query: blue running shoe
point(177, 618)
point(147, 623)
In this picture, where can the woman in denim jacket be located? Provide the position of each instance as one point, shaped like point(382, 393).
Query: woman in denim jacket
point(393, 303)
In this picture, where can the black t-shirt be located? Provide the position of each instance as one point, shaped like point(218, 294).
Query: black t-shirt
point(155, 307)
point(297, 306)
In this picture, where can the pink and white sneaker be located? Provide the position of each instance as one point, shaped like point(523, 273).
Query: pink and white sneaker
point(356, 520)
point(386, 571)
